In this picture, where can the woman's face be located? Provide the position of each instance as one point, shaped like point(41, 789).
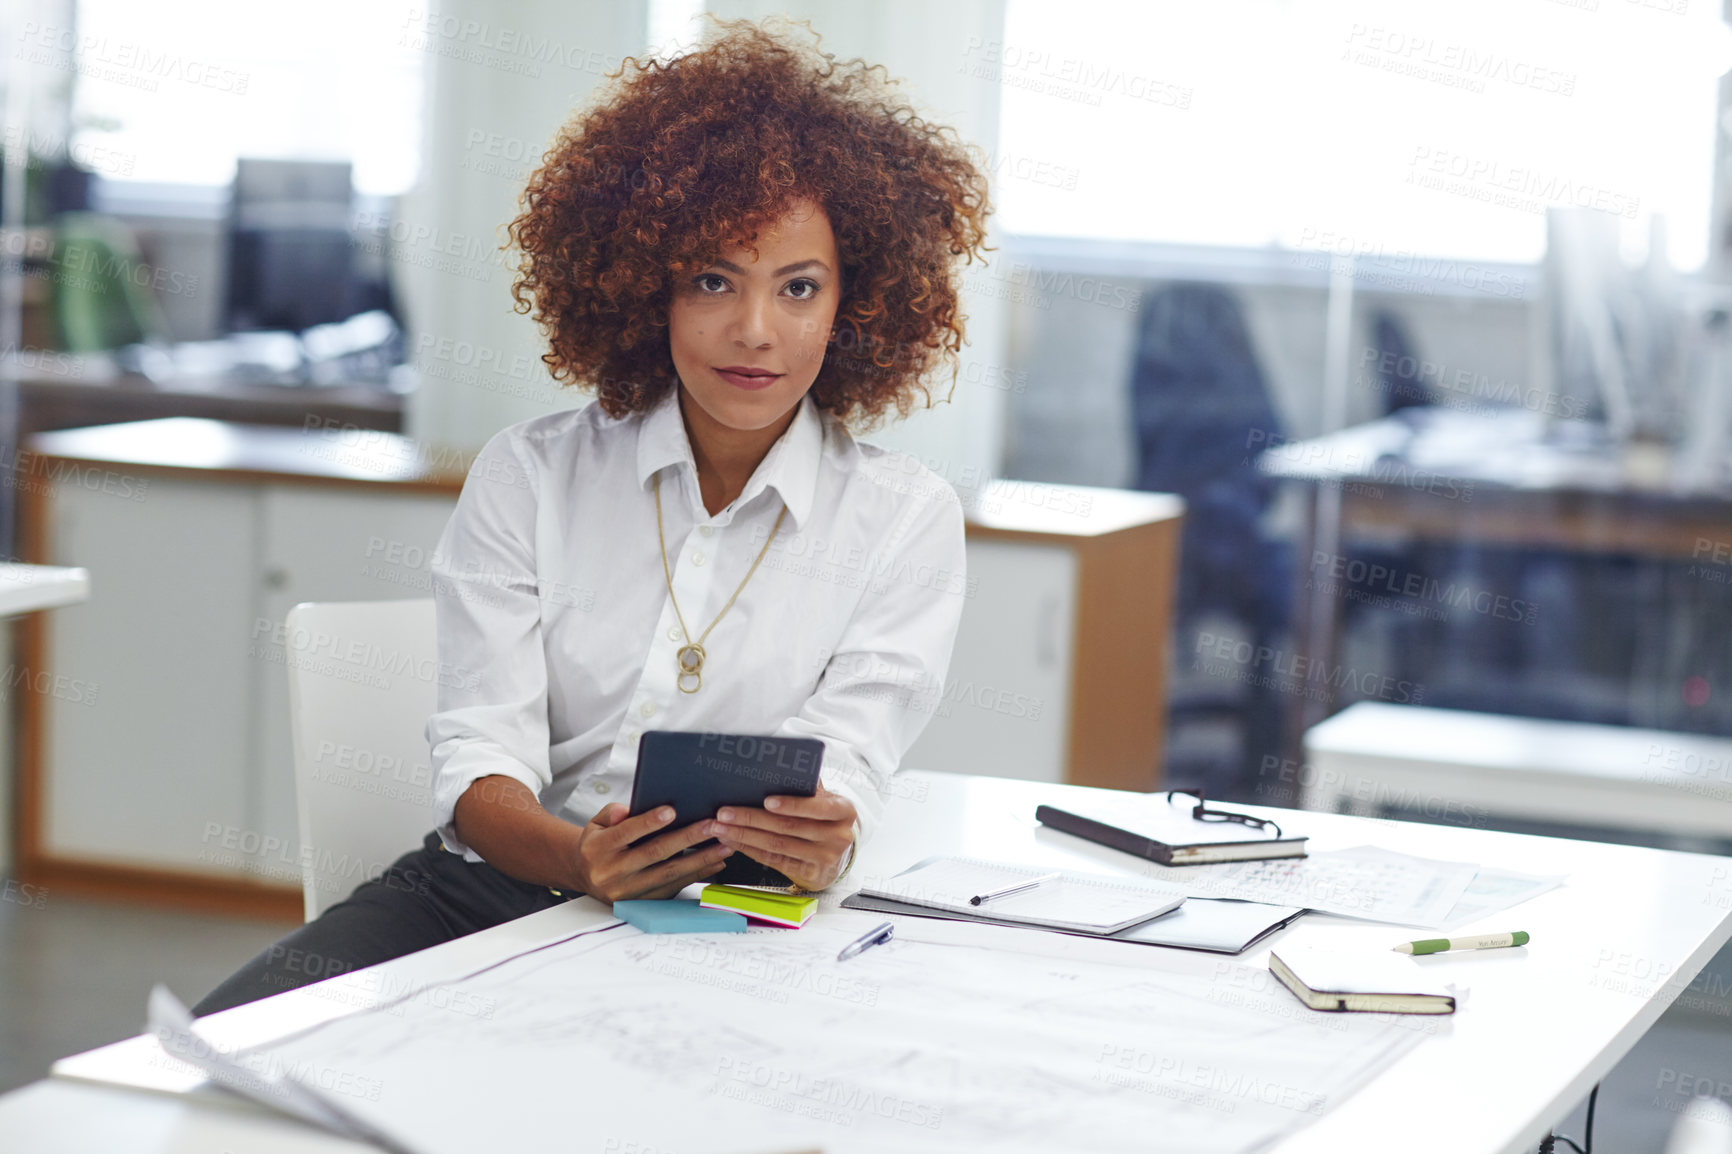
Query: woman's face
point(748, 333)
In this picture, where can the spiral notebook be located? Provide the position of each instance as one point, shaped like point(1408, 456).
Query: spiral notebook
point(1214, 925)
point(1075, 903)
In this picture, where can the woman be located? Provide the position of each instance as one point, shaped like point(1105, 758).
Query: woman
point(744, 251)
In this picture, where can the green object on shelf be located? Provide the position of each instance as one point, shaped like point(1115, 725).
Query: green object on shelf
point(102, 288)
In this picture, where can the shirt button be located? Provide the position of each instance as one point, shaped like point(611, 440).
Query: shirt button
point(648, 709)
point(673, 633)
point(707, 530)
point(697, 558)
point(602, 787)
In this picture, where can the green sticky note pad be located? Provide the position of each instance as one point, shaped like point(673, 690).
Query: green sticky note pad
point(675, 916)
point(764, 905)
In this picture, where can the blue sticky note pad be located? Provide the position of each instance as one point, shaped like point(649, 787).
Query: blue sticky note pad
point(678, 917)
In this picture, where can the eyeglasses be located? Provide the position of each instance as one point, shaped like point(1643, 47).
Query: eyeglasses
point(1202, 813)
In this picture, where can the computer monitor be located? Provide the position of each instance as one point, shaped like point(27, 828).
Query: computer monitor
point(290, 252)
point(1607, 344)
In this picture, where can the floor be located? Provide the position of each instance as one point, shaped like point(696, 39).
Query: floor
point(75, 974)
point(1686, 1053)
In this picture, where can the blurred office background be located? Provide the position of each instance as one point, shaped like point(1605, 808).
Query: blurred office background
point(1425, 310)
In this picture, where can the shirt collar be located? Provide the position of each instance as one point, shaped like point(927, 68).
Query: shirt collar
point(790, 467)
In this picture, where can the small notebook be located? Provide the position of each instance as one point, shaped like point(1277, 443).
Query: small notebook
point(778, 909)
point(1077, 903)
point(1338, 980)
point(678, 916)
point(1150, 826)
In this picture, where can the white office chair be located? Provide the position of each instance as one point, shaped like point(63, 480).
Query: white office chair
point(361, 687)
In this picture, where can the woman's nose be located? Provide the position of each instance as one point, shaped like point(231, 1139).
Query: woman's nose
point(754, 324)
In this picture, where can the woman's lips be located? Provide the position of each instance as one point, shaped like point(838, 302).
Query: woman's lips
point(742, 380)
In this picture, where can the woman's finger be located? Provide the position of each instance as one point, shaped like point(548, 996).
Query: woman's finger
point(761, 840)
point(745, 817)
point(821, 806)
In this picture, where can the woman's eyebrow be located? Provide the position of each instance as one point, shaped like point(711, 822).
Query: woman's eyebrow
point(783, 271)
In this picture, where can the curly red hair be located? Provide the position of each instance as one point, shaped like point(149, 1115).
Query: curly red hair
point(683, 157)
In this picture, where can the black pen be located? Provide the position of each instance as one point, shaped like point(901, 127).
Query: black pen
point(874, 937)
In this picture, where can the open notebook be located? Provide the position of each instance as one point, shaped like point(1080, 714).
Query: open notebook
point(1218, 925)
point(1077, 903)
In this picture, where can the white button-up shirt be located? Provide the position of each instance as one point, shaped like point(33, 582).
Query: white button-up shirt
point(548, 583)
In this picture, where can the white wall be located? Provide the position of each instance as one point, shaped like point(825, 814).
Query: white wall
point(491, 112)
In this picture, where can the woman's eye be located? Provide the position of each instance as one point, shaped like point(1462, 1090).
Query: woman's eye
point(803, 290)
point(709, 282)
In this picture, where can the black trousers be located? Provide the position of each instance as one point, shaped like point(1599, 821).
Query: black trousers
point(427, 896)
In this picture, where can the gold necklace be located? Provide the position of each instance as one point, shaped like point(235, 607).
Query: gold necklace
point(690, 656)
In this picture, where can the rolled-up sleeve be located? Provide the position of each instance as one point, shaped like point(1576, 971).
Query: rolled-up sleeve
point(488, 611)
point(886, 678)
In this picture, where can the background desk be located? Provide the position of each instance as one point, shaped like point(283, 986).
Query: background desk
point(1490, 479)
point(1611, 949)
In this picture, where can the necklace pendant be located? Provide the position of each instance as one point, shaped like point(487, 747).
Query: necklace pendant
point(691, 663)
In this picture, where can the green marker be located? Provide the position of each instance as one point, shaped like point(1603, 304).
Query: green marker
point(1477, 942)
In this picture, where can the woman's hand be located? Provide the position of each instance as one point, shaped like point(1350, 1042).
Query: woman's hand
point(609, 869)
point(804, 837)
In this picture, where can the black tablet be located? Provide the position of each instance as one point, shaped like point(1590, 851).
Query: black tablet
point(698, 773)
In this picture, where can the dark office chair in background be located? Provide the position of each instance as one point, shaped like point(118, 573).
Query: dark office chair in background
point(1394, 373)
point(1203, 413)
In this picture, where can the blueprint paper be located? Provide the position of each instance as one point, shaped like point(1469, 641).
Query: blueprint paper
point(1364, 882)
point(945, 1039)
point(1494, 891)
point(303, 1093)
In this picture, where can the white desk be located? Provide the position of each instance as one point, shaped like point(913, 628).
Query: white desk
point(27, 588)
point(1611, 950)
point(1458, 768)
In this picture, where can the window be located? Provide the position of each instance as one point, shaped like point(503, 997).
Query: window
point(175, 92)
point(1441, 128)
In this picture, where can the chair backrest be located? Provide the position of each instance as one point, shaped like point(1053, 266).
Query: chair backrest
point(1199, 397)
point(1203, 411)
point(362, 679)
point(1705, 1127)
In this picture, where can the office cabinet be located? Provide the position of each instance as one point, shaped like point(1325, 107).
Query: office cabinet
point(143, 750)
point(1006, 705)
point(165, 766)
point(1059, 671)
